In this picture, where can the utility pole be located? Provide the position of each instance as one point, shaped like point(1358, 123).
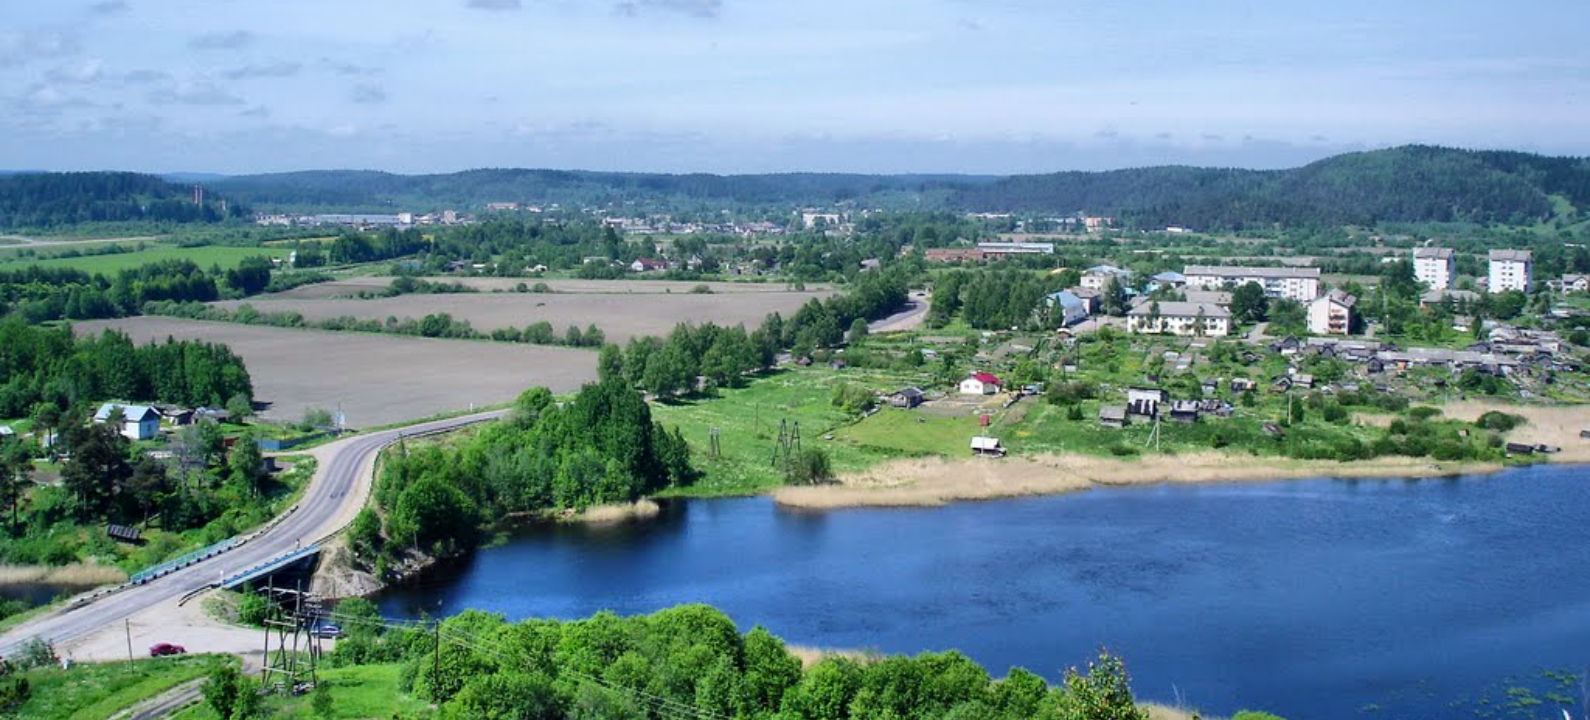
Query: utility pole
point(127, 625)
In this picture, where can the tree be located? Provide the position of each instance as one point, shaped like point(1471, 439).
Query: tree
point(610, 363)
point(16, 463)
point(1104, 693)
point(1288, 317)
point(1248, 303)
point(858, 330)
point(98, 467)
point(1113, 299)
point(224, 690)
point(239, 408)
point(246, 464)
point(809, 467)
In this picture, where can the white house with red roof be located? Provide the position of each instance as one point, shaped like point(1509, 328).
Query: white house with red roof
point(980, 383)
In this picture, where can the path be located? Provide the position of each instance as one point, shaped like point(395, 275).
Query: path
point(910, 318)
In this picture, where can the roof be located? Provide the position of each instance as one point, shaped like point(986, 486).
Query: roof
point(1107, 269)
point(132, 413)
point(983, 442)
point(1263, 272)
point(986, 378)
point(1170, 276)
point(1212, 297)
point(909, 392)
point(1067, 299)
point(1177, 308)
point(1436, 296)
point(1338, 297)
point(1511, 255)
point(1432, 253)
point(1112, 412)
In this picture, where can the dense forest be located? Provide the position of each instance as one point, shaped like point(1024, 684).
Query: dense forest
point(50, 366)
point(693, 661)
point(1405, 184)
point(47, 200)
point(41, 294)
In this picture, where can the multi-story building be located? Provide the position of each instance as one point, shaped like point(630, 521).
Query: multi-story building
point(1434, 266)
point(1331, 313)
point(1001, 249)
point(1098, 276)
point(1179, 318)
point(1300, 284)
point(1510, 270)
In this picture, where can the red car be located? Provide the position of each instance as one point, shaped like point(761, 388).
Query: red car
point(160, 649)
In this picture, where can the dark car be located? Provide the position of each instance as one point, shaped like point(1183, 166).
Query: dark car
point(328, 631)
point(160, 649)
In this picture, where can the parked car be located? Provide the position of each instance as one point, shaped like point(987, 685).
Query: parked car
point(328, 631)
point(160, 649)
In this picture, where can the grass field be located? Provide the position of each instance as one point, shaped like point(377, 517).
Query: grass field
point(748, 423)
point(98, 690)
point(204, 256)
point(364, 691)
point(376, 379)
point(352, 286)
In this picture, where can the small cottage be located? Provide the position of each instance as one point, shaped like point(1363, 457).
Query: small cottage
point(980, 383)
point(139, 422)
point(906, 397)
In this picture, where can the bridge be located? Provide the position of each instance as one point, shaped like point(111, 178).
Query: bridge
point(268, 567)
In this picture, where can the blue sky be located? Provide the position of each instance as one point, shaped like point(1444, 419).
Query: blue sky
point(981, 86)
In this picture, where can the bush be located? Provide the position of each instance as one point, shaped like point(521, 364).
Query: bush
point(13, 691)
point(36, 652)
point(1423, 413)
point(1070, 393)
point(1254, 715)
point(253, 609)
point(1499, 421)
point(1123, 450)
point(811, 467)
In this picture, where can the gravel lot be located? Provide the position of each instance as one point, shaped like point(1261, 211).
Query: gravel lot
point(620, 315)
point(378, 379)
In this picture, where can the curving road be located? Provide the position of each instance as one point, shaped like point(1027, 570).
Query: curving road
point(916, 310)
point(334, 496)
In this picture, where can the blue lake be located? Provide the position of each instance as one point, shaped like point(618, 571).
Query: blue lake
point(1316, 599)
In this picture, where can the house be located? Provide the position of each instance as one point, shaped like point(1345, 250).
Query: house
point(1575, 283)
point(1303, 380)
point(1145, 401)
point(1175, 317)
point(906, 397)
point(954, 255)
point(212, 414)
point(1300, 284)
point(6, 431)
point(1068, 308)
point(175, 416)
point(1208, 297)
point(987, 446)
point(139, 422)
point(1456, 297)
point(642, 265)
point(1434, 266)
point(980, 383)
point(1510, 270)
point(1169, 278)
point(1239, 385)
point(1184, 411)
point(1098, 277)
point(1006, 249)
point(1113, 416)
point(1331, 313)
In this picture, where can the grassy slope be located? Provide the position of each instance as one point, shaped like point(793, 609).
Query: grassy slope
point(366, 691)
point(99, 690)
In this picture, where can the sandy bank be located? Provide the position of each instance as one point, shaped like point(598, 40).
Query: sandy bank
point(644, 509)
point(934, 482)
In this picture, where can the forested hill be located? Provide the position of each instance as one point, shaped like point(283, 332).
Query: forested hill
point(369, 190)
point(46, 200)
point(1406, 184)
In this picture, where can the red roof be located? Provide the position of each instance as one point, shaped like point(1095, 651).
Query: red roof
point(986, 378)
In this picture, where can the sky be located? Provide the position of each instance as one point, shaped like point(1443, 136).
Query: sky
point(733, 86)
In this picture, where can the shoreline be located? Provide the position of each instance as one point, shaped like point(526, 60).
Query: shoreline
point(936, 482)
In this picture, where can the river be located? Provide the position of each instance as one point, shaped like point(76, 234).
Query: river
point(1314, 599)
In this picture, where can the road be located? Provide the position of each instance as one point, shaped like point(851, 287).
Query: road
point(27, 242)
point(335, 495)
point(908, 319)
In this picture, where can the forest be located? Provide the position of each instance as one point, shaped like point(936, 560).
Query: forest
point(41, 294)
point(50, 366)
point(50, 200)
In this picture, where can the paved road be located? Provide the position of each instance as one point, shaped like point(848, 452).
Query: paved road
point(334, 496)
point(908, 319)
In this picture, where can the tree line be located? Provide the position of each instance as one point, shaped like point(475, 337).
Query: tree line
point(49, 365)
point(693, 660)
point(41, 294)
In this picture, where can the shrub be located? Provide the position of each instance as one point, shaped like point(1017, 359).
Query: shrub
point(1423, 413)
point(811, 467)
point(1499, 421)
point(1254, 715)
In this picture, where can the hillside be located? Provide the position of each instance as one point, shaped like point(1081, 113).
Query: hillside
point(47, 200)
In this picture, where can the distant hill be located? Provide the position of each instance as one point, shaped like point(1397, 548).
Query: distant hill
point(370, 190)
point(1406, 184)
point(46, 200)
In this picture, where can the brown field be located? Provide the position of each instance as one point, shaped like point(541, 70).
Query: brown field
point(620, 315)
point(378, 379)
point(354, 286)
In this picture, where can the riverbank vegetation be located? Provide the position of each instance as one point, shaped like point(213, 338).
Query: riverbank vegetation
point(601, 446)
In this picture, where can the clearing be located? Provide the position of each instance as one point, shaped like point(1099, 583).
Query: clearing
point(377, 379)
point(109, 264)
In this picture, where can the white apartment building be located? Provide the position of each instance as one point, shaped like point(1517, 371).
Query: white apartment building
point(1300, 284)
point(1434, 266)
point(1510, 270)
point(1179, 318)
point(1331, 313)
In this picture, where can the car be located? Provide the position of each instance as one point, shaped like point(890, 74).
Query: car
point(328, 631)
point(162, 649)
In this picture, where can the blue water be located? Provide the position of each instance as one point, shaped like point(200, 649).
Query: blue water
point(1314, 599)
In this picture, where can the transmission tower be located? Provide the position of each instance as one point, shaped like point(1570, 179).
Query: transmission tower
point(292, 647)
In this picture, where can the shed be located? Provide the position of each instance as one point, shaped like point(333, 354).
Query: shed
point(984, 445)
point(1113, 416)
point(123, 533)
point(1520, 448)
point(1184, 411)
point(906, 397)
point(1145, 401)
